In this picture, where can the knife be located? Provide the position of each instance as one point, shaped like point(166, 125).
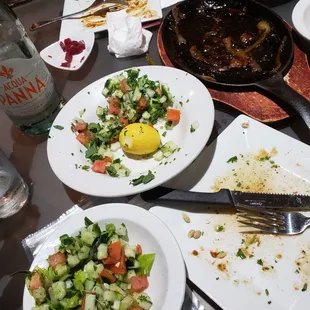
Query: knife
point(227, 197)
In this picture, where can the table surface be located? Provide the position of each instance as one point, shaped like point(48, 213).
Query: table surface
point(50, 198)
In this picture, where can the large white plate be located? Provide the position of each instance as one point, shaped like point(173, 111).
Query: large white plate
point(72, 26)
point(243, 285)
point(167, 279)
point(197, 106)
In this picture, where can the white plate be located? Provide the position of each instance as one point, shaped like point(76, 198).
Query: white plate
point(55, 56)
point(197, 106)
point(301, 18)
point(244, 285)
point(71, 6)
point(167, 279)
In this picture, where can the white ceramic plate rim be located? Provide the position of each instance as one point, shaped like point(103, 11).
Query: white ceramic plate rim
point(298, 17)
point(175, 264)
point(94, 184)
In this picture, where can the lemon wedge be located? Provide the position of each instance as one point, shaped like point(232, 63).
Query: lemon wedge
point(139, 139)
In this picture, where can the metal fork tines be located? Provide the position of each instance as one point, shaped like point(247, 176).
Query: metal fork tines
point(272, 220)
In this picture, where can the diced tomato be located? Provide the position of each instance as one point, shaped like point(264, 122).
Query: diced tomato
point(115, 250)
point(108, 262)
point(107, 275)
point(138, 249)
point(123, 121)
point(80, 126)
point(99, 166)
point(114, 105)
point(56, 259)
point(120, 267)
point(124, 86)
point(35, 282)
point(99, 280)
point(85, 137)
point(142, 105)
point(158, 91)
point(173, 116)
point(136, 308)
point(139, 283)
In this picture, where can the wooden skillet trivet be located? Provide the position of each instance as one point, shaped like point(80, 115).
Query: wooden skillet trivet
point(255, 104)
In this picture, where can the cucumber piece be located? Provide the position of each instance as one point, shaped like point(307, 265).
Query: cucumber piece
point(84, 252)
point(109, 295)
point(158, 156)
point(90, 269)
point(59, 290)
point(135, 265)
point(39, 295)
point(113, 239)
point(137, 94)
point(118, 93)
point(169, 125)
point(90, 302)
point(113, 287)
point(163, 99)
point(116, 305)
point(61, 270)
point(110, 117)
point(169, 147)
point(89, 285)
point(123, 286)
point(146, 115)
point(126, 303)
point(121, 230)
point(102, 251)
point(99, 268)
point(41, 307)
point(87, 236)
point(130, 252)
point(123, 172)
point(69, 284)
point(144, 302)
point(105, 92)
point(131, 114)
point(150, 92)
point(131, 273)
point(115, 146)
point(73, 260)
point(98, 290)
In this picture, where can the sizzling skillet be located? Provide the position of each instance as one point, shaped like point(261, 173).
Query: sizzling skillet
point(233, 45)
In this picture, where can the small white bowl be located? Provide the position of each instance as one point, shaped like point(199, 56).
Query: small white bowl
point(301, 18)
point(55, 56)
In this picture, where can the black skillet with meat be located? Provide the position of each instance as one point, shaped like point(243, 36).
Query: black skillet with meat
point(235, 44)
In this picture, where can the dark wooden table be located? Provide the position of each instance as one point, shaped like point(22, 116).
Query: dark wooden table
point(50, 197)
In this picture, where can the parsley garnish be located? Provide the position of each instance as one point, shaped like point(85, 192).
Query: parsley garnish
point(82, 112)
point(269, 302)
point(240, 254)
point(112, 171)
point(267, 292)
point(260, 262)
point(305, 287)
point(143, 179)
point(164, 134)
point(238, 184)
point(85, 167)
point(219, 228)
point(59, 127)
point(192, 129)
point(233, 159)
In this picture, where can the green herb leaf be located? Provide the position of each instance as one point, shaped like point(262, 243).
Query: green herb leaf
point(305, 287)
point(143, 179)
point(164, 134)
point(146, 262)
point(59, 127)
point(117, 161)
point(112, 171)
point(260, 262)
point(110, 229)
point(240, 254)
point(233, 159)
point(267, 292)
point(192, 129)
point(81, 113)
point(85, 167)
point(87, 221)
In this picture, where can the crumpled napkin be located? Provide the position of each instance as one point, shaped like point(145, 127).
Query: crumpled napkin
point(126, 35)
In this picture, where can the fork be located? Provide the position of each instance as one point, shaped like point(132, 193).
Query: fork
point(97, 4)
point(273, 221)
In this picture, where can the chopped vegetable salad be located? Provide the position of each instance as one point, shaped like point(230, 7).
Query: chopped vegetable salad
point(96, 270)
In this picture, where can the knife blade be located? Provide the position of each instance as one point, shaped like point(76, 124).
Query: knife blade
point(227, 197)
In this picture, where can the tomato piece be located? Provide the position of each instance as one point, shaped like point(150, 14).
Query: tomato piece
point(85, 137)
point(109, 262)
point(56, 259)
point(123, 121)
point(173, 115)
point(124, 86)
point(80, 126)
point(107, 275)
point(114, 105)
point(138, 249)
point(99, 166)
point(35, 282)
point(142, 105)
point(115, 250)
point(120, 267)
point(139, 283)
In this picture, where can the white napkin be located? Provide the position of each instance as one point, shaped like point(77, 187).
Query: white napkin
point(166, 3)
point(126, 35)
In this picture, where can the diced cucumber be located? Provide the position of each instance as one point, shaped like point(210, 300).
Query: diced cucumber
point(90, 302)
point(61, 270)
point(150, 92)
point(115, 146)
point(123, 172)
point(98, 290)
point(73, 260)
point(131, 114)
point(90, 269)
point(121, 77)
point(167, 154)
point(102, 251)
point(99, 268)
point(59, 290)
point(108, 154)
point(123, 286)
point(130, 252)
point(110, 117)
point(146, 115)
point(162, 99)
point(84, 252)
point(166, 92)
point(39, 294)
point(116, 305)
point(159, 155)
point(144, 302)
point(121, 230)
point(135, 265)
point(41, 307)
point(169, 125)
point(113, 287)
point(89, 285)
point(136, 94)
point(87, 236)
point(109, 295)
point(113, 239)
point(69, 284)
point(126, 303)
point(118, 93)
point(169, 147)
point(105, 92)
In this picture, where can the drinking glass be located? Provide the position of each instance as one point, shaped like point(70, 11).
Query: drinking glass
point(14, 192)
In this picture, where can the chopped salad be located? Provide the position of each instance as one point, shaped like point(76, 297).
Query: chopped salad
point(131, 99)
point(96, 270)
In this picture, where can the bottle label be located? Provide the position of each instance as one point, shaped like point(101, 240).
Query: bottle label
point(27, 91)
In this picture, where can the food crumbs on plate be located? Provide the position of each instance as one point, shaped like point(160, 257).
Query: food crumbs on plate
point(305, 287)
point(195, 253)
point(59, 127)
point(278, 256)
point(190, 234)
point(245, 125)
point(220, 254)
point(72, 154)
point(242, 253)
point(217, 278)
point(186, 218)
point(222, 267)
point(49, 56)
point(197, 234)
point(233, 159)
point(266, 292)
point(269, 302)
point(219, 228)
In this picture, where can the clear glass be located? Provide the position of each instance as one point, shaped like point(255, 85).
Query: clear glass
point(27, 90)
point(14, 192)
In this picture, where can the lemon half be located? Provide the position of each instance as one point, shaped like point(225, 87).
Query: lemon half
point(139, 139)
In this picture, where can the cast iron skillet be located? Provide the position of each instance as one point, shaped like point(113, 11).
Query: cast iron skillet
point(272, 84)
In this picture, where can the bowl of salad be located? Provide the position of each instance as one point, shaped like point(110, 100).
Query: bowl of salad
point(114, 257)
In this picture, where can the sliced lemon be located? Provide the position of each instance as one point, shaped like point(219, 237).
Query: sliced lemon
point(139, 139)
